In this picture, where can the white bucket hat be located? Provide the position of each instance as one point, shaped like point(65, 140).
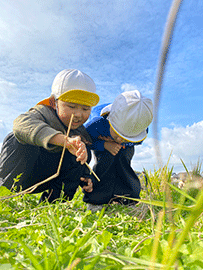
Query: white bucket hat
point(72, 85)
point(130, 115)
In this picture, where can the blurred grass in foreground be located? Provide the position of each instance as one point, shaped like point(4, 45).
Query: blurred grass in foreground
point(163, 231)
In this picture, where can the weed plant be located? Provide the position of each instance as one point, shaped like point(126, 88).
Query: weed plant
point(163, 231)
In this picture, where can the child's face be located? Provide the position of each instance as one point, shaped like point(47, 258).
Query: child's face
point(116, 137)
point(66, 109)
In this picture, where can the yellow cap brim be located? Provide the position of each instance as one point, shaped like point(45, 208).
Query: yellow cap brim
point(80, 97)
point(75, 96)
point(139, 138)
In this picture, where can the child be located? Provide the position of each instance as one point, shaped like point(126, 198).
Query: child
point(34, 148)
point(121, 125)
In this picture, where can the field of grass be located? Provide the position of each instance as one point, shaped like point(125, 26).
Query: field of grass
point(163, 231)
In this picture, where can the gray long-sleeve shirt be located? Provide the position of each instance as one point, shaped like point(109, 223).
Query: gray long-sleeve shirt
point(39, 125)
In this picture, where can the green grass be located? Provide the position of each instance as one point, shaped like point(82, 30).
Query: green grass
point(164, 231)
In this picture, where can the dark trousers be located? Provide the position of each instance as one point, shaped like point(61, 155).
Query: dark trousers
point(36, 164)
point(116, 178)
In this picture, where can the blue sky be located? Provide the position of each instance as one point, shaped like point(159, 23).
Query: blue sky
point(117, 43)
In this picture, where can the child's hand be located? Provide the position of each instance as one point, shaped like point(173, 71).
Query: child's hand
point(76, 147)
point(104, 138)
point(89, 186)
point(112, 147)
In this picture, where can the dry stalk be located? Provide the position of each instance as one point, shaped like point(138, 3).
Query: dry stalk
point(165, 47)
point(91, 171)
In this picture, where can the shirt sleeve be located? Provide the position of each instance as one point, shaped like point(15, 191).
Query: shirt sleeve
point(31, 128)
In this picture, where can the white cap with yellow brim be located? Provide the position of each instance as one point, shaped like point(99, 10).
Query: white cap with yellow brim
point(72, 85)
point(130, 115)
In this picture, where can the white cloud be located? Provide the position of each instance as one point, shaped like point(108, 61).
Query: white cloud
point(183, 142)
point(186, 141)
point(146, 89)
point(9, 104)
point(7, 90)
point(3, 131)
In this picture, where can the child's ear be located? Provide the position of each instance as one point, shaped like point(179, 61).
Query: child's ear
point(52, 102)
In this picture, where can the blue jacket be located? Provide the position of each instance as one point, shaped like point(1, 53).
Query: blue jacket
point(115, 172)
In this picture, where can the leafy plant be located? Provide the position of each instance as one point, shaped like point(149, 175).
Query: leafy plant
point(163, 231)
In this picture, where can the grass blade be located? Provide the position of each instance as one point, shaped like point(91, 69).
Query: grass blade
point(182, 193)
point(29, 253)
point(161, 203)
point(156, 240)
point(197, 210)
